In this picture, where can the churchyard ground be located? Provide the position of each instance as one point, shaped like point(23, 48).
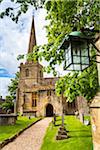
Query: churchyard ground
point(80, 137)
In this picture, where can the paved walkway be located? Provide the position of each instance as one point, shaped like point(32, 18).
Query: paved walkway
point(31, 139)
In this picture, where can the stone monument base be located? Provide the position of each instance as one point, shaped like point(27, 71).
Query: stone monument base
point(62, 133)
point(8, 119)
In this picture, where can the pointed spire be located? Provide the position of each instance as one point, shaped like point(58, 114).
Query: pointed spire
point(32, 41)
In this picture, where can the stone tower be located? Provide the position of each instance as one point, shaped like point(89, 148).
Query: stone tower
point(30, 74)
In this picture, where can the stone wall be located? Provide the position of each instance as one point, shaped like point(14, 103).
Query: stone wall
point(95, 121)
point(82, 105)
point(95, 108)
point(45, 100)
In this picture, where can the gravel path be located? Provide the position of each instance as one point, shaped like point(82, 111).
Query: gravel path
point(31, 139)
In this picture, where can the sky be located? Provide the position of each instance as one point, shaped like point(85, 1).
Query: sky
point(14, 39)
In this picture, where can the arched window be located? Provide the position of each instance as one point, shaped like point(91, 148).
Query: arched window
point(49, 93)
point(34, 99)
point(71, 105)
point(27, 72)
point(40, 74)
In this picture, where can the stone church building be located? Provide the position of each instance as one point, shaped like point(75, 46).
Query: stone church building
point(36, 94)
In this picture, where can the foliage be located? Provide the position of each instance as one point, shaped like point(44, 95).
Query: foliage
point(20, 7)
point(88, 81)
point(80, 136)
point(9, 102)
point(79, 84)
point(63, 16)
point(69, 85)
point(13, 86)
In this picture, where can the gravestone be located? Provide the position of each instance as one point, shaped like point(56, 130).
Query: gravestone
point(8, 119)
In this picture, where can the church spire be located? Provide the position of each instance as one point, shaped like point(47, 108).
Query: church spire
point(32, 41)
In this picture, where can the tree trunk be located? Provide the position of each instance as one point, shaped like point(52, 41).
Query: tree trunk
point(62, 111)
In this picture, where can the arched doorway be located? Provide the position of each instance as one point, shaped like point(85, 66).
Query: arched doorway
point(49, 110)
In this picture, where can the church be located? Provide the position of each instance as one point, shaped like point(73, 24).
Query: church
point(35, 94)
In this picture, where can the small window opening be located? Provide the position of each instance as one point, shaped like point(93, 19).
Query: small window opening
point(27, 72)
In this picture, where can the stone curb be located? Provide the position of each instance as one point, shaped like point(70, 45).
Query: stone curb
point(5, 142)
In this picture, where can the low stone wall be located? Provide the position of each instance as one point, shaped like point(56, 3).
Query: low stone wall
point(8, 119)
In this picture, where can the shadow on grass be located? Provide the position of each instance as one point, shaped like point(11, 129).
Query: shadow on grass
point(59, 124)
point(77, 130)
point(80, 136)
point(56, 125)
point(58, 119)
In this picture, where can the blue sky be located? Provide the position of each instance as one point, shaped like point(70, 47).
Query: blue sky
point(5, 73)
point(14, 39)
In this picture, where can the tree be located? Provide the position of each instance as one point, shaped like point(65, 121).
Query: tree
point(8, 105)
point(20, 7)
point(13, 86)
point(75, 84)
point(63, 16)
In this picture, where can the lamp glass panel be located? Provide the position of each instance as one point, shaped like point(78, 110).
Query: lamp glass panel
point(76, 47)
point(85, 60)
point(84, 51)
point(84, 66)
point(69, 51)
point(76, 59)
point(71, 67)
point(68, 62)
point(68, 55)
point(77, 66)
point(76, 51)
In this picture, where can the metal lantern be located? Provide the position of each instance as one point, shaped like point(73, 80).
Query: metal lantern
point(76, 48)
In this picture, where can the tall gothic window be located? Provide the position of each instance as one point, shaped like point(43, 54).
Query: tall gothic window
point(25, 100)
point(27, 72)
point(71, 105)
point(49, 93)
point(34, 99)
point(40, 74)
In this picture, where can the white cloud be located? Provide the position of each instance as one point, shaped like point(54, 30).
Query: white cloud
point(14, 39)
point(40, 23)
point(4, 82)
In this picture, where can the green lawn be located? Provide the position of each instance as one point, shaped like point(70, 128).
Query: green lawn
point(80, 136)
point(8, 131)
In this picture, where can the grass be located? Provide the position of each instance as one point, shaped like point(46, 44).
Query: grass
point(10, 130)
point(80, 136)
